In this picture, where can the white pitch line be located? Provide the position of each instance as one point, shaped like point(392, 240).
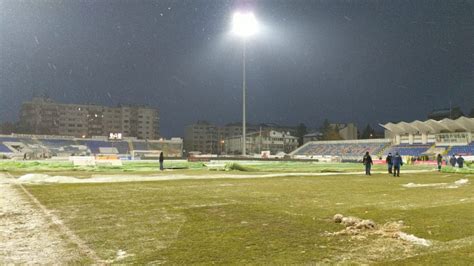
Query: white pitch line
point(64, 229)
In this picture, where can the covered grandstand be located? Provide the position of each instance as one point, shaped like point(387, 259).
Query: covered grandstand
point(413, 139)
point(447, 131)
point(447, 136)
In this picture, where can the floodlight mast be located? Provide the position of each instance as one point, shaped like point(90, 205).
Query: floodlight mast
point(244, 25)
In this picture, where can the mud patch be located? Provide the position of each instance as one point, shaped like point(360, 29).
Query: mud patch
point(360, 229)
point(371, 242)
point(367, 228)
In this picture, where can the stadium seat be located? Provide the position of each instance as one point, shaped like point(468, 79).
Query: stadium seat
point(409, 150)
point(4, 149)
point(462, 150)
point(340, 149)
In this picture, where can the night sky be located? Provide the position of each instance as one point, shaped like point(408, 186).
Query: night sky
point(348, 61)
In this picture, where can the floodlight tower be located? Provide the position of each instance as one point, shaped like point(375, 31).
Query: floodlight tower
point(244, 25)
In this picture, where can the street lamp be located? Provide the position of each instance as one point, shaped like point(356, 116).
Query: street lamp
point(244, 25)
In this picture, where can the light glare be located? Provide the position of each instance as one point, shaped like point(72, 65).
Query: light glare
point(244, 24)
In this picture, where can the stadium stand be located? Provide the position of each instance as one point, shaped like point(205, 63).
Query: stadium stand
point(61, 146)
point(409, 150)
point(6, 142)
point(4, 149)
point(56, 143)
point(7, 139)
point(42, 146)
point(121, 146)
point(28, 141)
point(462, 150)
point(95, 145)
point(139, 145)
point(344, 149)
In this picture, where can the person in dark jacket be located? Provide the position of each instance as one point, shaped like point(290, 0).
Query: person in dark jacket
point(460, 161)
point(388, 160)
point(397, 162)
point(452, 161)
point(367, 161)
point(439, 160)
point(162, 159)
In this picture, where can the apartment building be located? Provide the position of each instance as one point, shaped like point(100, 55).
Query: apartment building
point(45, 116)
point(267, 140)
point(207, 138)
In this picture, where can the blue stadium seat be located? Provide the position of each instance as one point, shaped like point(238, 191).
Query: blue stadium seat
point(409, 150)
point(4, 148)
point(121, 146)
point(7, 139)
point(340, 149)
point(462, 150)
point(139, 145)
point(94, 145)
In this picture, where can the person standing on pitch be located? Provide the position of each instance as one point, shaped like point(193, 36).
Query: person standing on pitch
point(460, 161)
point(388, 160)
point(367, 161)
point(439, 160)
point(397, 162)
point(162, 159)
point(452, 161)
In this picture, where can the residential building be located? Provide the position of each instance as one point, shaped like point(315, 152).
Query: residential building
point(267, 140)
point(315, 136)
point(202, 137)
point(346, 131)
point(45, 116)
point(208, 138)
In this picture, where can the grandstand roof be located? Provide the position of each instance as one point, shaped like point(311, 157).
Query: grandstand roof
point(432, 126)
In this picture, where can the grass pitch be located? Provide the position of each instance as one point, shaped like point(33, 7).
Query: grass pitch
point(268, 220)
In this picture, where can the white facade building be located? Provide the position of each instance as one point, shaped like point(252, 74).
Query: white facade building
point(256, 142)
point(449, 132)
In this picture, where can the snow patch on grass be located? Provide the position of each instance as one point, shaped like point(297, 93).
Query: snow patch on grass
point(413, 239)
point(122, 254)
point(456, 184)
point(412, 185)
point(42, 178)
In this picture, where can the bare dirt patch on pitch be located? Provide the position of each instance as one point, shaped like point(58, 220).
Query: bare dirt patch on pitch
point(26, 235)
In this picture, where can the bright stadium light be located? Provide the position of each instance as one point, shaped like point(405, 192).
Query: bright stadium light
point(244, 25)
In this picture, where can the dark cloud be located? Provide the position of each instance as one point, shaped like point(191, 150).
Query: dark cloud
point(362, 61)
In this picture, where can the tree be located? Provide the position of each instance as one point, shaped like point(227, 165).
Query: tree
point(333, 133)
point(472, 113)
point(326, 127)
point(330, 132)
point(8, 128)
point(301, 130)
point(368, 132)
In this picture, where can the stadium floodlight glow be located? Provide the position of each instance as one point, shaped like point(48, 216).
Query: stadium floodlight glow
point(244, 24)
